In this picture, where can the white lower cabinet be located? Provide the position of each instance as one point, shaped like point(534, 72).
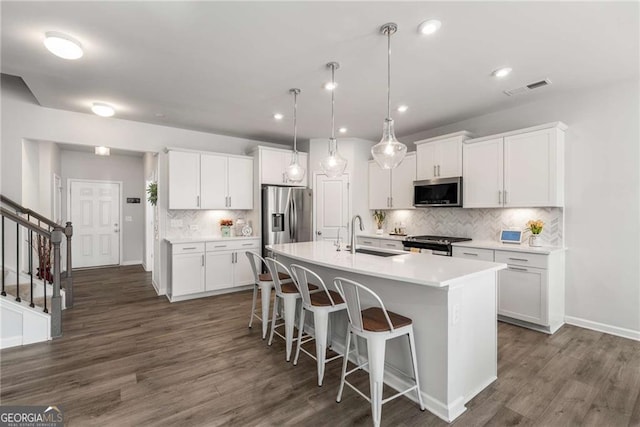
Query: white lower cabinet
point(201, 269)
point(530, 290)
point(380, 242)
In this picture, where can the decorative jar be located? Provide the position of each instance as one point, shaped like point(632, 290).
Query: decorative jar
point(535, 240)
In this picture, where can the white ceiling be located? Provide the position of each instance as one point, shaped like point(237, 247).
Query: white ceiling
point(226, 67)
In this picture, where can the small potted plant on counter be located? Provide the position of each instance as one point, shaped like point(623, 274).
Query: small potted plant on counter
point(379, 217)
point(535, 227)
point(225, 227)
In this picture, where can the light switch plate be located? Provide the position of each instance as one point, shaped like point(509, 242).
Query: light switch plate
point(128, 219)
point(176, 223)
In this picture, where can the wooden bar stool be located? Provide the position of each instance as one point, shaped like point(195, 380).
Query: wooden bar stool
point(377, 326)
point(289, 295)
point(321, 303)
point(264, 283)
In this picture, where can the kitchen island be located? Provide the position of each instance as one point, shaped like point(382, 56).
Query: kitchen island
point(451, 301)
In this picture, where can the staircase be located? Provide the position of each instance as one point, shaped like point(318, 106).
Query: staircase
point(34, 292)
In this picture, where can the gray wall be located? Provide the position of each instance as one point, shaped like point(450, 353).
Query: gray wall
point(602, 193)
point(129, 170)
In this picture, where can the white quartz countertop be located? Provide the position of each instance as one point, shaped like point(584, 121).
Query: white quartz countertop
point(422, 269)
point(196, 239)
point(523, 247)
point(382, 236)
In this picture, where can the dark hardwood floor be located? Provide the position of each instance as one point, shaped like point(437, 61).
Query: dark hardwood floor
point(130, 358)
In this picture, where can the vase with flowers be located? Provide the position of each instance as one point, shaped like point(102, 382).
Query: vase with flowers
point(225, 227)
point(535, 227)
point(379, 217)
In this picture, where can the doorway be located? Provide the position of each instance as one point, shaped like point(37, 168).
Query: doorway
point(96, 216)
point(333, 208)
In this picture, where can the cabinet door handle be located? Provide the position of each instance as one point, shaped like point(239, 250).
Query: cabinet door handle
point(505, 197)
point(519, 259)
point(203, 260)
point(390, 202)
point(469, 253)
point(518, 269)
point(198, 201)
point(499, 197)
point(229, 201)
point(434, 171)
point(438, 170)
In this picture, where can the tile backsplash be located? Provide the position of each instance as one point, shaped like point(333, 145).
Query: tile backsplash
point(478, 224)
point(207, 222)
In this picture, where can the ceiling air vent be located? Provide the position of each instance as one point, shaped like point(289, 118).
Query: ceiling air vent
point(527, 88)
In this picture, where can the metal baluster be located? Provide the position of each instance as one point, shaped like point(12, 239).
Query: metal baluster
point(44, 275)
point(3, 293)
point(30, 265)
point(18, 262)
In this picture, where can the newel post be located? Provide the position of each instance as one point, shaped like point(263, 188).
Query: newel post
point(56, 300)
point(68, 285)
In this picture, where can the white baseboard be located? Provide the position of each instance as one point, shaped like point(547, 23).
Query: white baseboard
point(135, 262)
point(602, 327)
point(10, 342)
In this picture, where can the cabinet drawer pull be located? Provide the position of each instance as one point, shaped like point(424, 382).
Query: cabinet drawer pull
point(220, 246)
point(247, 244)
point(367, 241)
point(518, 269)
point(519, 259)
point(190, 248)
point(469, 253)
point(390, 244)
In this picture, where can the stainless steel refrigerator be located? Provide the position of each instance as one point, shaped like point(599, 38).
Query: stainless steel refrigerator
point(287, 215)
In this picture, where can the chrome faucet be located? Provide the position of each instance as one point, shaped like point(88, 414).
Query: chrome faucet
point(353, 232)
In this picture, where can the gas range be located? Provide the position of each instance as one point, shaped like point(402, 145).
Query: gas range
point(439, 245)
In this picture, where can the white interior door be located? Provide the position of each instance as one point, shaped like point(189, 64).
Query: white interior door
point(95, 213)
point(332, 206)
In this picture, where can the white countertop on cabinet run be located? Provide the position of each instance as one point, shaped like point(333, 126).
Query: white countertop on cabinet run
point(523, 247)
point(382, 236)
point(422, 269)
point(195, 239)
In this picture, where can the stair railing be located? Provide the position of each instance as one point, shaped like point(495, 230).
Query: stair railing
point(49, 225)
point(49, 235)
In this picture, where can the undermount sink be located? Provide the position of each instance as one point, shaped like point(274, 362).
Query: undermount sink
point(376, 253)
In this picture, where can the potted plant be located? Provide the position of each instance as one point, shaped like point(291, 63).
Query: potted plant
point(225, 227)
point(535, 227)
point(379, 217)
point(152, 191)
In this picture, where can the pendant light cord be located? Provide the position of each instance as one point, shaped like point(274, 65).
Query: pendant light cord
point(333, 101)
point(295, 121)
point(388, 73)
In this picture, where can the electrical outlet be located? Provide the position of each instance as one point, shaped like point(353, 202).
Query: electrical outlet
point(194, 227)
point(456, 314)
point(176, 223)
point(128, 219)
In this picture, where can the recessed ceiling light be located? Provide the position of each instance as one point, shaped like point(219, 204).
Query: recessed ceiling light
point(102, 109)
point(429, 27)
point(342, 130)
point(63, 45)
point(102, 151)
point(501, 72)
point(330, 85)
point(402, 108)
point(278, 116)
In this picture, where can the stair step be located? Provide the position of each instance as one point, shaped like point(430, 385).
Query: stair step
point(25, 295)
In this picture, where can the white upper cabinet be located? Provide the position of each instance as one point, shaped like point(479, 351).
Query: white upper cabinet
point(522, 169)
point(273, 163)
point(210, 181)
point(392, 189)
point(184, 180)
point(440, 157)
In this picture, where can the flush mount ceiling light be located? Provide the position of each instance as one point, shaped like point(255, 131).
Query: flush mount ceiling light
point(501, 72)
point(429, 27)
point(102, 109)
point(402, 108)
point(342, 130)
point(62, 45)
point(389, 152)
point(295, 172)
point(334, 164)
point(278, 116)
point(102, 151)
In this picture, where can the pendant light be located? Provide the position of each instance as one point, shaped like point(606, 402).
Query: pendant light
point(334, 164)
point(295, 172)
point(389, 152)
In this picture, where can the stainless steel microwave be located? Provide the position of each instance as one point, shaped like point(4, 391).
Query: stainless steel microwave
point(438, 192)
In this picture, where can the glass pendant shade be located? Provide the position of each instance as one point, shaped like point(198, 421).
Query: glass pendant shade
point(334, 164)
point(389, 152)
point(295, 172)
